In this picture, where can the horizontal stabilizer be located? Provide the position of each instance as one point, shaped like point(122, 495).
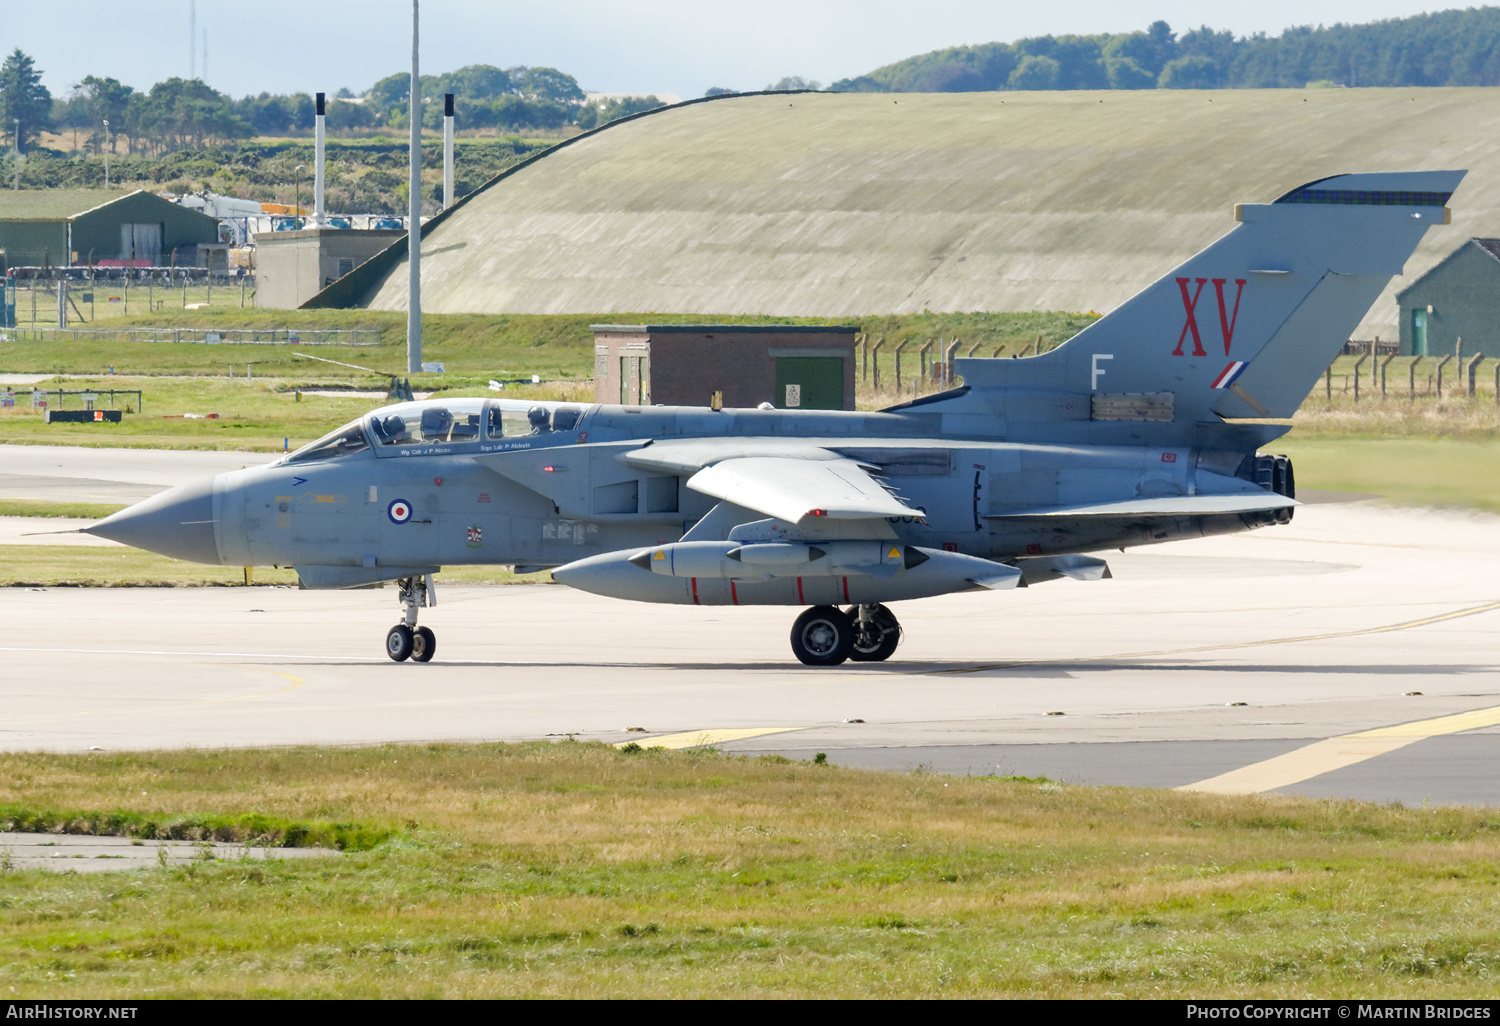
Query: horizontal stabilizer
point(1160, 506)
point(1076, 567)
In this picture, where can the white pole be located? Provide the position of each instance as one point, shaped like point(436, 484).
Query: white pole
point(447, 150)
point(317, 221)
point(107, 145)
point(414, 213)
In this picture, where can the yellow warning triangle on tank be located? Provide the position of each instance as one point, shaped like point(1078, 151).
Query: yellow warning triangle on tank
point(660, 554)
point(895, 553)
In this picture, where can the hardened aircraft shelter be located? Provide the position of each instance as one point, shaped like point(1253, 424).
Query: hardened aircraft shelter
point(842, 205)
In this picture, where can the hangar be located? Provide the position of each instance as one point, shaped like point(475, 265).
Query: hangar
point(849, 204)
point(63, 227)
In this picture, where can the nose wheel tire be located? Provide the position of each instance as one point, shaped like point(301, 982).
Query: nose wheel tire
point(876, 639)
point(823, 636)
point(423, 645)
point(398, 642)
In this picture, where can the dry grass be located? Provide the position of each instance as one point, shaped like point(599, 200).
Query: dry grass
point(578, 870)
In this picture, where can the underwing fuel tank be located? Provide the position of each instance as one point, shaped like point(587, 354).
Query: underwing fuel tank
point(765, 560)
point(914, 572)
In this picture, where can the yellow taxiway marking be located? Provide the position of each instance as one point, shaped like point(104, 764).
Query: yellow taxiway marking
point(703, 738)
point(1337, 752)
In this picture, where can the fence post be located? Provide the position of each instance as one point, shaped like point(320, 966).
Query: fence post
point(1328, 383)
point(922, 360)
point(948, 363)
point(970, 353)
point(998, 350)
point(1357, 365)
point(876, 354)
point(1441, 364)
point(864, 358)
point(1383, 365)
point(1474, 374)
point(1411, 378)
point(62, 302)
point(903, 345)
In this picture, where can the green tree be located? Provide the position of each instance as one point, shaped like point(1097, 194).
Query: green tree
point(1126, 73)
point(344, 116)
point(1196, 72)
point(97, 100)
point(1036, 73)
point(546, 84)
point(24, 98)
point(474, 82)
point(180, 112)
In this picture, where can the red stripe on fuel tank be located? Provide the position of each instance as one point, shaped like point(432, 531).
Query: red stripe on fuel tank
point(734, 595)
point(800, 600)
point(695, 589)
point(846, 589)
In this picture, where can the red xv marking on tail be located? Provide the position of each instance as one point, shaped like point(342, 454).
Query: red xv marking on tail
point(1226, 324)
point(1190, 306)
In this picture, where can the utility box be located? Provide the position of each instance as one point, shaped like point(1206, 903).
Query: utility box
point(292, 267)
point(790, 366)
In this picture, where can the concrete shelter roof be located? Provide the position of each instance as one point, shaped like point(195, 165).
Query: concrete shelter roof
point(847, 204)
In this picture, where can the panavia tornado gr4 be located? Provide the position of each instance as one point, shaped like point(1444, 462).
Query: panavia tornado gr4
point(1143, 428)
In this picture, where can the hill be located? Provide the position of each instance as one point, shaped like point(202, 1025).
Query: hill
point(1446, 48)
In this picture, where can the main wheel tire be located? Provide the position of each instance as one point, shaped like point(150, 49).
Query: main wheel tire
point(822, 636)
point(423, 645)
point(875, 641)
point(398, 643)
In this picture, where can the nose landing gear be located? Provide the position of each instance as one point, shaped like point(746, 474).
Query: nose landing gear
point(406, 640)
point(827, 635)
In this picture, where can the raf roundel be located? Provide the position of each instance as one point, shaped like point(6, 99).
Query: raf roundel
point(399, 511)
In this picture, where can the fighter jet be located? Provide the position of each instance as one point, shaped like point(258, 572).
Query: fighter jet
point(1143, 428)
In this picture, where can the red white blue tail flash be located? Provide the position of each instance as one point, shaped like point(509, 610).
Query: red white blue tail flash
point(1229, 374)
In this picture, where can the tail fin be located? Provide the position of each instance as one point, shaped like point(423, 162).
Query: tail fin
point(1244, 328)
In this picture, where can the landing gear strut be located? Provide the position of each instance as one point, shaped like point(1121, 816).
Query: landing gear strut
point(826, 635)
point(406, 640)
point(877, 632)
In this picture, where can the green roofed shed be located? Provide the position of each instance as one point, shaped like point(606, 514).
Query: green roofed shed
point(62, 227)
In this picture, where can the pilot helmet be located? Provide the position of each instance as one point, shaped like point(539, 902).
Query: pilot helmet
point(538, 417)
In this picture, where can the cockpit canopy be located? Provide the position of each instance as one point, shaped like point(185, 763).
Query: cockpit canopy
point(435, 426)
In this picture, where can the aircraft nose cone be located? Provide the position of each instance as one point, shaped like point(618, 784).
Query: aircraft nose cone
point(178, 523)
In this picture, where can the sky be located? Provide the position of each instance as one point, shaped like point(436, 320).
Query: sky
point(681, 47)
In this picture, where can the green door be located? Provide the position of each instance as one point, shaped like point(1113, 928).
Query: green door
point(1419, 333)
point(809, 383)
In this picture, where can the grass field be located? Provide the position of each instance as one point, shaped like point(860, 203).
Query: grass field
point(569, 869)
point(100, 567)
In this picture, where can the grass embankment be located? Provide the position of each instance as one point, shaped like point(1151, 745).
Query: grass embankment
point(258, 413)
point(61, 566)
point(491, 345)
point(1414, 471)
point(574, 869)
point(45, 508)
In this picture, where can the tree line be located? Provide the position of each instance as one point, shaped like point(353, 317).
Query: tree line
point(1446, 48)
point(180, 114)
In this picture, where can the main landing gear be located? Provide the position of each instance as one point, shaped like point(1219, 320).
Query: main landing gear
point(827, 635)
point(406, 640)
